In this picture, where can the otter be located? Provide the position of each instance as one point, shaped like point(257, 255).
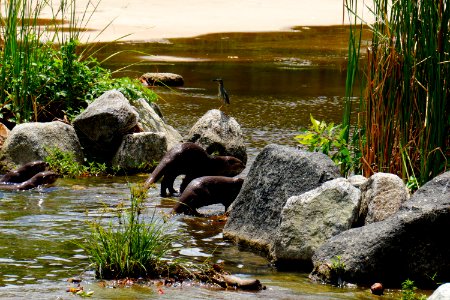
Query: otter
point(193, 161)
point(41, 178)
point(25, 172)
point(208, 190)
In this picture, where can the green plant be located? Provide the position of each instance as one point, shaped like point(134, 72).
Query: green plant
point(132, 246)
point(65, 164)
point(43, 73)
point(409, 291)
point(337, 270)
point(405, 108)
point(330, 140)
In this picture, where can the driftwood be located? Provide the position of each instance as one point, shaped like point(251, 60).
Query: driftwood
point(231, 281)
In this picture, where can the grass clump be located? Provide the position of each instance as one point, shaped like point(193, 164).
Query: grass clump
point(132, 246)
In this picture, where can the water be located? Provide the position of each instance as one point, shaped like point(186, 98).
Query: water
point(275, 80)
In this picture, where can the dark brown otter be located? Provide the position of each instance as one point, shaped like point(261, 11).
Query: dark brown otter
point(25, 172)
point(41, 178)
point(193, 161)
point(208, 190)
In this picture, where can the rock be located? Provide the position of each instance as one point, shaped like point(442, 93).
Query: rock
point(310, 219)
point(382, 196)
point(357, 180)
point(377, 289)
point(277, 173)
point(150, 119)
point(411, 244)
point(102, 125)
point(4, 132)
point(140, 151)
point(29, 142)
point(441, 293)
point(163, 79)
point(217, 132)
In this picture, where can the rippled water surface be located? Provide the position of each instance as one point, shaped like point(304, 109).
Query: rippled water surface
point(275, 80)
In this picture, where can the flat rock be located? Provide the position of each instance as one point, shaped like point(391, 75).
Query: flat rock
point(162, 79)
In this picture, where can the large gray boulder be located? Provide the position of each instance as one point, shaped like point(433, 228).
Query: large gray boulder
point(310, 219)
point(150, 120)
point(217, 132)
point(140, 151)
point(102, 124)
point(277, 173)
point(382, 196)
point(413, 243)
point(30, 141)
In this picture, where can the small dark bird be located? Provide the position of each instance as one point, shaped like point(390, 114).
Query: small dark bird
point(222, 92)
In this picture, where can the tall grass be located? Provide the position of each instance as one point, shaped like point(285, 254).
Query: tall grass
point(43, 74)
point(405, 109)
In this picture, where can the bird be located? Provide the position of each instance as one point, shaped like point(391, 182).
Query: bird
point(222, 92)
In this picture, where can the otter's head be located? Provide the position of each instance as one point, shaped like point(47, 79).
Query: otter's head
point(46, 177)
point(230, 166)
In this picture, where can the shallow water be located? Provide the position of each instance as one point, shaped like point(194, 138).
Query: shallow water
point(275, 80)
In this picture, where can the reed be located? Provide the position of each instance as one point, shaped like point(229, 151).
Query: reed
point(405, 108)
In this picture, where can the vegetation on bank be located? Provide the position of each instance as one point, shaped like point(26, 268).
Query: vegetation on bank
point(401, 124)
point(44, 74)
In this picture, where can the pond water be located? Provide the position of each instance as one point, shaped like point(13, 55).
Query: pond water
point(275, 81)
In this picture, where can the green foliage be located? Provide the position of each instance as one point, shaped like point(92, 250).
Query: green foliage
point(409, 291)
point(40, 81)
point(330, 140)
point(132, 246)
point(337, 270)
point(65, 164)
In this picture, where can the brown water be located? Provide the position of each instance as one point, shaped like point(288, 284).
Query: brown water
point(275, 80)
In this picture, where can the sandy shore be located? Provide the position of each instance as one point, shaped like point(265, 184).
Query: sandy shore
point(145, 20)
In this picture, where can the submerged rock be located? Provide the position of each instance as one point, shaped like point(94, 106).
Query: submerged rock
point(411, 244)
point(217, 132)
point(162, 79)
point(277, 173)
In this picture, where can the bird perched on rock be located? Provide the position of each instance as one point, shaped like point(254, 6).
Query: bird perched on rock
point(222, 92)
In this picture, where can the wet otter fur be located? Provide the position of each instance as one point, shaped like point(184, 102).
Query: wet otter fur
point(25, 172)
point(193, 161)
point(41, 178)
point(207, 190)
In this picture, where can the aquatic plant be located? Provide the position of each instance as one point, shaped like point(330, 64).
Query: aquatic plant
point(43, 74)
point(404, 111)
point(129, 246)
